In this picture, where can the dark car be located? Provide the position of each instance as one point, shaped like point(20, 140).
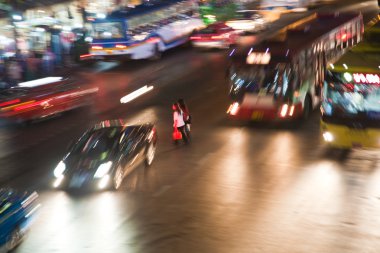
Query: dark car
point(105, 154)
point(17, 211)
point(43, 97)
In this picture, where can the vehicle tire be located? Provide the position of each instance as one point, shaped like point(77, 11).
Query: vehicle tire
point(149, 154)
point(306, 108)
point(156, 54)
point(117, 178)
point(14, 239)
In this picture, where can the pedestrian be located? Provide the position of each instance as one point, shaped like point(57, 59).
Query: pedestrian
point(178, 122)
point(186, 114)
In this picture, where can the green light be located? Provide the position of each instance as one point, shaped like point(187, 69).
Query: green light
point(347, 76)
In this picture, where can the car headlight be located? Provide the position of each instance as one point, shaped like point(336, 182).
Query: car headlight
point(58, 171)
point(103, 169)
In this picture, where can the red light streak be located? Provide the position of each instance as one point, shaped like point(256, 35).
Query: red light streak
point(10, 102)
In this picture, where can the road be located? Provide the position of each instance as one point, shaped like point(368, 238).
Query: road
point(237, 188)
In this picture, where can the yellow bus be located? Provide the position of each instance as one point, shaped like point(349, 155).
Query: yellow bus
point(351, 96)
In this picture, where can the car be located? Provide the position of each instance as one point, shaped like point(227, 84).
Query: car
point(17, 212)
point(105, 154)
point(217, 35)
point(43, 97)
point(248, 21)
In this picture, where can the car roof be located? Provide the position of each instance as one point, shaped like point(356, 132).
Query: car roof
point(116, 123)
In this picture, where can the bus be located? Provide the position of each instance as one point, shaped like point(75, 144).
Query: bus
point(142, 32)
point(350, 110)
point(281, 77)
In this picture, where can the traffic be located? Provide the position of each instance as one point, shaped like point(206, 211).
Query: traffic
point(322, 60)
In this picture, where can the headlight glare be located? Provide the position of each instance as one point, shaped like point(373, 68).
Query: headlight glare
point(103, 169)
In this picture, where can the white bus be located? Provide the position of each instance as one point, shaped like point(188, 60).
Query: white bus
point(144, 31)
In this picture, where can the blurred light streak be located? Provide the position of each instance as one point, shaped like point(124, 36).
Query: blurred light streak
point(136, 94)
point(39, 82)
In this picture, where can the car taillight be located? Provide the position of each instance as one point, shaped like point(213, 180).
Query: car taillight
point(10, 102)
point(29, 104)
point(195, 38)
point(97, 47)
point(121, 46)
point(216, 37)
point(152, 134)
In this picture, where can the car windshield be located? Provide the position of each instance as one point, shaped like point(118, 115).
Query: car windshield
point(350, 100)
point(107, 30)
point(97, 144)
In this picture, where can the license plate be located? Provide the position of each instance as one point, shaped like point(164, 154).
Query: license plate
point(256, 115)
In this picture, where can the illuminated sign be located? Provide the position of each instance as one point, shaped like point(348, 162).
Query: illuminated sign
point(258, 58)
point(366, 78)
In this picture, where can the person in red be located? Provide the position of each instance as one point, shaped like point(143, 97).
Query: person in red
point(186, 115)
point(179, 123)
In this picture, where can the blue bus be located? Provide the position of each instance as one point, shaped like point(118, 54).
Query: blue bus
point(142, 32)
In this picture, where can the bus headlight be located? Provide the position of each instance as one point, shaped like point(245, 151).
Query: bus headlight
point(328, 137)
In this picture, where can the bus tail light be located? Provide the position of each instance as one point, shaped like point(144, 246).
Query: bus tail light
point(233, 109)
point(291, 111)
point(284, 110)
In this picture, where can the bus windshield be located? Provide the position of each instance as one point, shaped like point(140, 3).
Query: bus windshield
point(107, 30)
point(350, 100)
point(263, 79)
